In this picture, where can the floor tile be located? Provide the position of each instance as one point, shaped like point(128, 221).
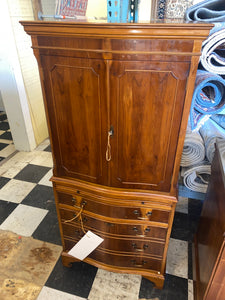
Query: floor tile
point(148, 290)
point(10, 149)
point(190, 262)
point(3, 117)
point(48, 229)
point(76, 280)
point(182, 205)
point(177, 258)
point(1, 132)
point(6, 141)
point(2, 146)
point(3, 181)
point(6, 208)
point(50, 294)
point(24, 220)
point(16, 190)
point(23, 156)
point(48, 149)
point(43, 145)
point(190, 290)
point(176, 288)
point(41, 196)
point(109, 285)
point(46, 179)
point(4, 125)
point(42, 159)
point(194, 207)
point(11, 168)
point(180, 229)
point(32, 173)
point(6, 135)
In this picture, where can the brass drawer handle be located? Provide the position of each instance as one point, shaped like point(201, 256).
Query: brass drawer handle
point(149, 213)
point(133, 261)
point(142, 218)
point(140, 249)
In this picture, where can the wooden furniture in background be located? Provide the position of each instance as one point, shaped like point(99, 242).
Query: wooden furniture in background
point(117, 99)
point(210, 238)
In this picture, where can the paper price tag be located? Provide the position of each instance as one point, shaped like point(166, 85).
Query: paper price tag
point(86, 245)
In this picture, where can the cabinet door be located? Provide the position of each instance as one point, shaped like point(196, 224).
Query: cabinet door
point(76, 105)
point(147, 100)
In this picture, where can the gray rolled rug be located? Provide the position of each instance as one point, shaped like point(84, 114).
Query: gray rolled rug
point(194, 149)
point(207, 11)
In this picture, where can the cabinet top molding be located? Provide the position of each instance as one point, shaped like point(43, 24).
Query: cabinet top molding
point(118, 30)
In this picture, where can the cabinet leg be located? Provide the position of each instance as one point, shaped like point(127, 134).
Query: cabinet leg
point(158, 281)
point(68, 260)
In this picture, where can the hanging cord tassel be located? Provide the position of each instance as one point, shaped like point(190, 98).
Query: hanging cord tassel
point(77, 216)
point(108, 150)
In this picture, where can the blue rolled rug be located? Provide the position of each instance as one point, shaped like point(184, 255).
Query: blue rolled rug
point(207, 11)
point(208, 98)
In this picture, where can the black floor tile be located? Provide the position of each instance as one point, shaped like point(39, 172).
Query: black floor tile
point(6, 135)
point(194, 207)
point(48, 229)
point(41, 196)
point(3, 117)
point(175, 288)
point(147, 290)
point(6, 208)
point(3, 145)
point(32, 173)
point(190, 269)
point(3, 181)
point(1, 158)
point(48, 149)
point(4, 126)
point(180, 228)
point(76, 280)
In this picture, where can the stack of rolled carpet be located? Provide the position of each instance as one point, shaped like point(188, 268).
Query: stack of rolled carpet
point(207, 115)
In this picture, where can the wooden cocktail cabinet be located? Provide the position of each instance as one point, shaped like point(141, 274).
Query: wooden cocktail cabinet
point(117, 99)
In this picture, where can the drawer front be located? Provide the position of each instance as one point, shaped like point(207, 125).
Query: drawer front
point(121, 260)
point(142, 247)
point(122, 229)
point(113, 211)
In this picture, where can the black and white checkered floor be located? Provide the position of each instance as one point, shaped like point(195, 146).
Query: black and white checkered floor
point(27, 208)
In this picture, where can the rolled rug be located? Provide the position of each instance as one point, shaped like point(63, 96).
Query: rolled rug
point(211, 132)
point(213, 56)
point(207, 11)
point(219, 119)
point(196, 178)
point(194, 149)
point(208, 98)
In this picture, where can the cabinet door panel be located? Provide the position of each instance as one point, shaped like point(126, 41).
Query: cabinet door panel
point(146, 109)
point(77, 101)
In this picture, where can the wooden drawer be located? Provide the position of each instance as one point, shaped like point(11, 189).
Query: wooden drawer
point(119, 244)
point(111, 228)
point(121, 260)
point(118, 211)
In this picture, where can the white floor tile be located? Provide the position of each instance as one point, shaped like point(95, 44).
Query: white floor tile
point(43, 145)
point(50, 294)
point(42, 158)
point(177, 258)
point(182, 205)
point(45, 179)
point(24, 220)
point(11, 168)
point(16, 190)
point(23, 156)
point(2, 131)
point(119, 286)
point(190, 290)
point(4, 141)
point(7, 150)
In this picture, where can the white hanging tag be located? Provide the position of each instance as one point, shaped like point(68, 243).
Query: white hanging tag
point(86, 245)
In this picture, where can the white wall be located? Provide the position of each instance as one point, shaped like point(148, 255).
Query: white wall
point(12, 86)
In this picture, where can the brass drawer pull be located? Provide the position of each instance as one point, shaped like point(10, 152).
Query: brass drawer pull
point(133, 261)
point(142, 218)
point(140, 249)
